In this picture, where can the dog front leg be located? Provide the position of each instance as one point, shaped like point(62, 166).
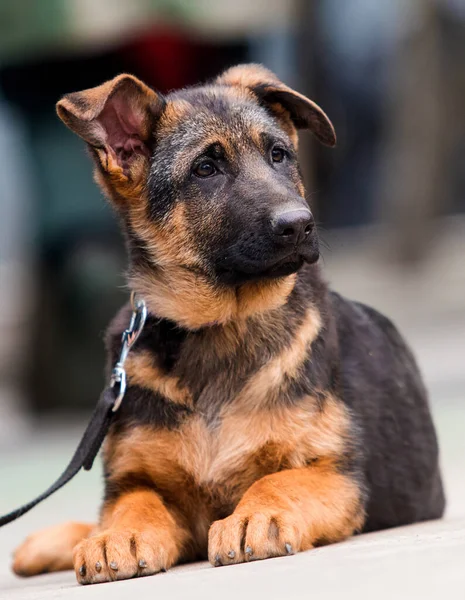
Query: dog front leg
point(138, 536)
point(286, 512)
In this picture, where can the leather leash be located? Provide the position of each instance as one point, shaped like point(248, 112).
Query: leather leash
point(102, 417)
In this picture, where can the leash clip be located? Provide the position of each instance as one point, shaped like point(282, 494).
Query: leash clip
point(130, 335)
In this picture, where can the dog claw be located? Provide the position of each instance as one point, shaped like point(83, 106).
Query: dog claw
point(113, 566)
point(248, 551)
point(217, 560)
point(82, 571)
point(98, 566)
point(288, 548)
point(231, 554)
point(142, 564)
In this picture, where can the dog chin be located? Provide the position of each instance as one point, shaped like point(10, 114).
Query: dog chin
point(246, 273)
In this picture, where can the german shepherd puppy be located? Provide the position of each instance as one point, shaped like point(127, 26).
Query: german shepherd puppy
point(264, 414)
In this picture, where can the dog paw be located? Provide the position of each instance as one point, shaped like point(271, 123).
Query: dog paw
point(122, 554)
point(241, 538)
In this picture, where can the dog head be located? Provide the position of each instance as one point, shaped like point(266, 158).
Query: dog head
point(207, 185)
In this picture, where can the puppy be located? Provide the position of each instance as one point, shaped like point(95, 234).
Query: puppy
point(264, 415)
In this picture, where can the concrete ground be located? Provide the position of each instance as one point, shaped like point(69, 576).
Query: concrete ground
point(423, 561)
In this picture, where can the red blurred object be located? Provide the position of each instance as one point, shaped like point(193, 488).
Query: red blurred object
point(165, 58)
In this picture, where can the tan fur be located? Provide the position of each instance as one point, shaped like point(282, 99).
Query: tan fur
point(284, 118)
point(287, 512)
point(118, 187)
point(50, 549)
point(248, 76)
point(141, 371)
point(237, 452)
point(225, 340)
point(197, 302)
point(211, 468)
point(173, 114)
point(138, 527)
point(219, 467)
point(170, 243)
point(260, 297)
point(267, 383)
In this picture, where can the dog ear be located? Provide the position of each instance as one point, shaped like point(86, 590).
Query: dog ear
point(116, 119)
point(276, 96)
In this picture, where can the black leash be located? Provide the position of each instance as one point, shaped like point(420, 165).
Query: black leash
point(99, 424)
point(84, 455)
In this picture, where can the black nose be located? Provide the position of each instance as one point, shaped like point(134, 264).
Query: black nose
point(292, 226)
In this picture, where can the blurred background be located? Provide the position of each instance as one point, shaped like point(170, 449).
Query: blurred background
point(390, 199)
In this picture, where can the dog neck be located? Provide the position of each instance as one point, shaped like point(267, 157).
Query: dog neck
point(207, 366)
point(192, 302)
point(267, 310)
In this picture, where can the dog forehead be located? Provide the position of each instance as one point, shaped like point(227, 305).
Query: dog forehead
point(200, 116)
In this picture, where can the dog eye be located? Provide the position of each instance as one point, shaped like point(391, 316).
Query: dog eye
point(278, 154)
point(205, 169)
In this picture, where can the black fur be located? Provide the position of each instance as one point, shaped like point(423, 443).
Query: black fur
point(382, 385)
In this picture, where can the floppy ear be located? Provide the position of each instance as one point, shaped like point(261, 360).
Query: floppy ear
point(276, 96)
point(116, 119)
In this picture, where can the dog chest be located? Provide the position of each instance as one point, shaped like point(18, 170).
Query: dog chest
point(226, 459)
